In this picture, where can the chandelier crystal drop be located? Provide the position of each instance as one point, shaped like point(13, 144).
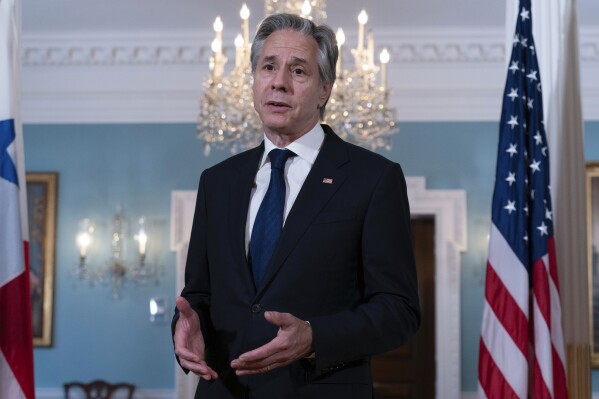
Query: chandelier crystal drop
point(357, 110)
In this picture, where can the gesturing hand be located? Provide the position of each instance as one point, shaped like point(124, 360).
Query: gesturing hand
point(293, 341)
point(189, 341)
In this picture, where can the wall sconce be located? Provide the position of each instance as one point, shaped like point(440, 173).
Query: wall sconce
point(116, 270)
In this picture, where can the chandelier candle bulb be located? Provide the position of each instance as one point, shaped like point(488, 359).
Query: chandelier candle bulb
point(340, 41)
point(306, 9)
point(245, 24)
point(215, 60)
point(370, 49)
point(384, 58)
point(218, 29)
point(362, 19)
point(239, 51)
point(217, 47)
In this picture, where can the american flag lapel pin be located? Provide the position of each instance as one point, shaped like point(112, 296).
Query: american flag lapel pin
point(327, 180)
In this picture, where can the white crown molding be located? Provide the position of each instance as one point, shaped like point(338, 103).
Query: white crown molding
point(114, 48)
point(120, 77)
point(153, 48)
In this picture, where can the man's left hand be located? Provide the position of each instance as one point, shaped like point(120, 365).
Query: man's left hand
point(293, 341)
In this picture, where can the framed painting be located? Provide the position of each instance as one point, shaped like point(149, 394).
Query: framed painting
point(41, 207)
point(592, 184)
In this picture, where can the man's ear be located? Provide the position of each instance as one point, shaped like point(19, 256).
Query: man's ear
point(325, 94)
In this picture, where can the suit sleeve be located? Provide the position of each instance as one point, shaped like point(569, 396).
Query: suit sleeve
point(197, 275)
point(390, 312)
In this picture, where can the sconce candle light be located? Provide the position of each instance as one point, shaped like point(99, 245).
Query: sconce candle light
point(84, 239)
point(142, 239)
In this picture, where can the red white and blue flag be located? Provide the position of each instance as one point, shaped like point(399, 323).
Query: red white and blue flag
point(522, 346)
point(16, 341)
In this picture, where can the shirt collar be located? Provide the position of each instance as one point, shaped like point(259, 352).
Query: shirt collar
point(305, 147)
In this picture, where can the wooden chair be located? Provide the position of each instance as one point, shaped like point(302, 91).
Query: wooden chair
point(98, 389)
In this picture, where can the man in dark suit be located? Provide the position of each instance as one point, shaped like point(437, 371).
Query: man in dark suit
point(300, 265)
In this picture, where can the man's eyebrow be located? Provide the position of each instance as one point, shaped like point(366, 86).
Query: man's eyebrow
point(296, 60)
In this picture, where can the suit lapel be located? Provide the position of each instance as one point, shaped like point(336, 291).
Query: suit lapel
point(313, 196)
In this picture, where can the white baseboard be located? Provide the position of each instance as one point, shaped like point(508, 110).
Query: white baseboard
point(58, 393)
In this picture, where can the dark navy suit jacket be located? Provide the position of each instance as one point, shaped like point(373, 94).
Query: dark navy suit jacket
point(344, 262)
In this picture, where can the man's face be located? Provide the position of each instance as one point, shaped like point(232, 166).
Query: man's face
point(287, 89)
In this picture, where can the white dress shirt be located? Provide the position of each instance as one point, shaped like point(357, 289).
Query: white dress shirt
point(297, 168)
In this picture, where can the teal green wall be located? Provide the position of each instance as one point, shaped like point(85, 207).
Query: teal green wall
point(101, 167)
point(136, 166)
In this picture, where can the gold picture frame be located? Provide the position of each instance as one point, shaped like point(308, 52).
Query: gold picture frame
point(41, 208)
point(592, 191)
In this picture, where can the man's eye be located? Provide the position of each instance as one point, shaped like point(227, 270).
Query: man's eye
point(269, 67)
point(298, 71)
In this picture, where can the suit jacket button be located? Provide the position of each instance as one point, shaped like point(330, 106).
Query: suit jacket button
point(256, 308)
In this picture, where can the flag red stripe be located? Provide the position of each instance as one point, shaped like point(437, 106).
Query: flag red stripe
point(540, 389)
point(512, 318)
point(552, 261)
point(15, 318)
point(560, 386)
point(490, 377)
point(541, 290)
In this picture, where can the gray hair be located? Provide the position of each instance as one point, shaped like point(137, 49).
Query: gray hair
point(324, 36)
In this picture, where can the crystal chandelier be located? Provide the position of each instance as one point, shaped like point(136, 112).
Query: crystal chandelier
point(357, 110)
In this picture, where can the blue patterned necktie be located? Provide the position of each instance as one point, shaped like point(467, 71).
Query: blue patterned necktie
point(269, 219)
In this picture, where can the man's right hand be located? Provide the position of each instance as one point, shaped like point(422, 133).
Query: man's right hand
point(189, 342)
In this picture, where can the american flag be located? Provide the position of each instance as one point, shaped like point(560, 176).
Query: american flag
point(521, 346)
point(16, 341)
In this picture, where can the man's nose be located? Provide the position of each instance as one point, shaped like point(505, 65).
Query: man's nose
point(280, 80)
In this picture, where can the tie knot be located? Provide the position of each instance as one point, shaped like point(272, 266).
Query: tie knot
point(278, 157)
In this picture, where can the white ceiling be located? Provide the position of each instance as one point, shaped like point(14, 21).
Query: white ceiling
point(185, 15)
